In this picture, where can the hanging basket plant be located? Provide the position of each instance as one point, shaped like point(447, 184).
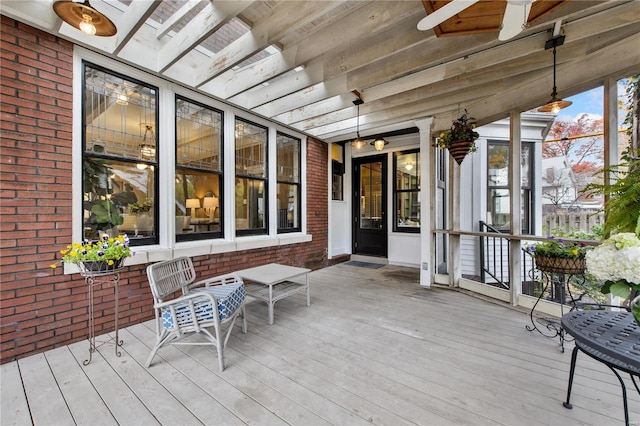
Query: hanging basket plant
point(460, 138)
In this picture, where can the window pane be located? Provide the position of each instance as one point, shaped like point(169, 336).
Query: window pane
point(337, 171)
point(199, 136)
point(198, 170)
point(288, 206)
point(408, 209)
point(407, 191)
point(251, 149)
point(250, 204)
point(407, 172)
point(119, 159)
point(120, 116)
point(288, 158)
point(288, 187)
point(118, 198)
point(525, 165)
point(498, 165)
point(197, 204)
point(499, 208)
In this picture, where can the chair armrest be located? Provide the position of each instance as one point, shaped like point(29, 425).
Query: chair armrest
point(185, 297)
point(219, 280)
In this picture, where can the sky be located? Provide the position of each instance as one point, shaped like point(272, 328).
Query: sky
point(590, 102)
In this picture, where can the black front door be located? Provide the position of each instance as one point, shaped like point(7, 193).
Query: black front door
point(369, 206)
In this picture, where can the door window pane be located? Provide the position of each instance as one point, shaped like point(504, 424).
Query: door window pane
point(371, 196)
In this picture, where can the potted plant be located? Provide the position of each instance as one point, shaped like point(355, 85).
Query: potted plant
point(138, 208)
point(101, 205)
point(560, 256)
point(105, 254)
point(459, 139)
point(616, 263)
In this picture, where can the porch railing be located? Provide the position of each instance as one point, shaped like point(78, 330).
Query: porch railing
point(495, 261)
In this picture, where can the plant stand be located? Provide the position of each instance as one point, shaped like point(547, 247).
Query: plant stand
point(92, 279)
point(557, 281)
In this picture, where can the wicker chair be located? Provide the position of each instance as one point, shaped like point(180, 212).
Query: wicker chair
point(203, 307)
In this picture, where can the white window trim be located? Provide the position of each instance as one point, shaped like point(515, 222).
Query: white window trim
point(167, 248)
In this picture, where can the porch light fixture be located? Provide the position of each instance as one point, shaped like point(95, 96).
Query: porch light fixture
point(83, 16)
point(358, 142)
point(379, 144)
point(555, 104)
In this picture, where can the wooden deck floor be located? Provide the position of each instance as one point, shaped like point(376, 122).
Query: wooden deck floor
point(373, 348)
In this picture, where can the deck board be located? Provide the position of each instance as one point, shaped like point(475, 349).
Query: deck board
point(373, 348)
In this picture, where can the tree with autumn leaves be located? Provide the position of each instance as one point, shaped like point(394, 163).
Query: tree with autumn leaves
point(579, 143)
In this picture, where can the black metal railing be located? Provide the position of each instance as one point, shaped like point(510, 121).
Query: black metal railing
point(495, 262)
point(493, 254)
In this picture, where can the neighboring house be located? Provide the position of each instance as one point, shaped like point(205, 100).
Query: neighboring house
point(559, 185)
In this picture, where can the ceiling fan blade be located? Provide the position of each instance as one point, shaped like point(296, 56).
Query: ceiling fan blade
point(515, 18)
point(444, 13)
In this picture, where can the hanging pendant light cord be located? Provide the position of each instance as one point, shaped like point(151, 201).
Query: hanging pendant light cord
point(554, 72)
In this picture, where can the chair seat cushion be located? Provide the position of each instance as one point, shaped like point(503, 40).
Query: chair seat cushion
point(229, 297)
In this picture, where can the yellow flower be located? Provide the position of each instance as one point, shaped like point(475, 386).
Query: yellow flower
point(575, 252)
point(64, 252)
point(110, 262)
point(442, 135)
point(53, 266)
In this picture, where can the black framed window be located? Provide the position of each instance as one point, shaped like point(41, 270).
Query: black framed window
point(498, 194)
point(119, 161)
point(251, 147)
point(288, 182)
point(198, 178)
point(406, 191)
point(337, 171)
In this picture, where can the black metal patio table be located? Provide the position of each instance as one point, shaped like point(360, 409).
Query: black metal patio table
point(612, 338)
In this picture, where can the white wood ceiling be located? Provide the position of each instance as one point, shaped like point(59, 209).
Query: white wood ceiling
point(297, 62)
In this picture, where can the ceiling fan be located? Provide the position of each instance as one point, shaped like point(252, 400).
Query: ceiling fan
point(514, 20)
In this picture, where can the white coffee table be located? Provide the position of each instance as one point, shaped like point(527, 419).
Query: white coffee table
point(270, 283)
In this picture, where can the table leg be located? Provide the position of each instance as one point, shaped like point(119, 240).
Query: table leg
point(574, 355)
point(624, 395)
point(270, 304)
point(306, 276)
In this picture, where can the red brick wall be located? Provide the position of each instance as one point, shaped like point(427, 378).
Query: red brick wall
point(41, 308)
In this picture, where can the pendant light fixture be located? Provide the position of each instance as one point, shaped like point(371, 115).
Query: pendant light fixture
point(358, 142)
point(379, 143)
point(555, 104)
point(84, 17)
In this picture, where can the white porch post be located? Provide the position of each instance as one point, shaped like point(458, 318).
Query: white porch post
point(427, 202)
point(515, 179)
point(610, 127)
point(454, 262)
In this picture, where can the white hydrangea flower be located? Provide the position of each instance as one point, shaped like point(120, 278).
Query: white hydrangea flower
point(616, 258)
